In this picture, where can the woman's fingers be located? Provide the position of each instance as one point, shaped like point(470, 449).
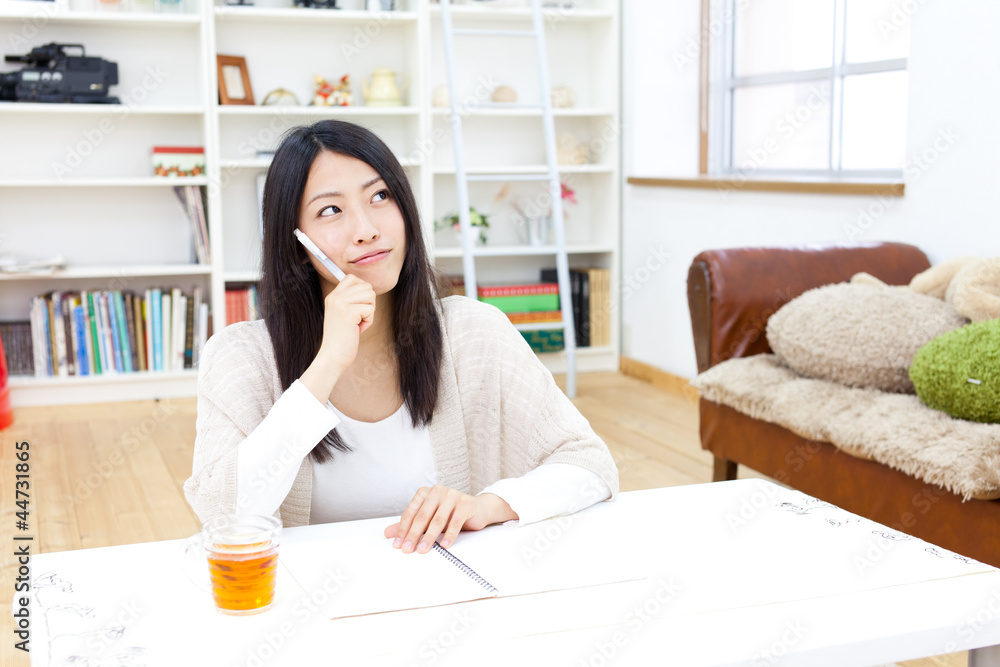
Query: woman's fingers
point(437, 524)
point(458, 519)
point(406, 520)
point(431, 512)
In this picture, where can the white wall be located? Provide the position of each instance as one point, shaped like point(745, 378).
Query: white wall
point(952, 201)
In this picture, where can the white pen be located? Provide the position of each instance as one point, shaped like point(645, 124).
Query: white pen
point(320, 255)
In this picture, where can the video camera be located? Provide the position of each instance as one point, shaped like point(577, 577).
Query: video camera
point(53, 76)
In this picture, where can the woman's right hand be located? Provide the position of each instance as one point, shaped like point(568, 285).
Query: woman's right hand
point(349, 309)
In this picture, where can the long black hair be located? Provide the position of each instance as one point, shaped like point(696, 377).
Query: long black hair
point(291, 298)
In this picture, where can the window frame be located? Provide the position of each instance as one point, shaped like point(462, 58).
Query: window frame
point(719, 85)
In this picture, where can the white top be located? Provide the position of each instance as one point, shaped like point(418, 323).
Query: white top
point(390, 460)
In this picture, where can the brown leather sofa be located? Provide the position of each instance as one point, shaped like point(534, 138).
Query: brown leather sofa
point(731, 294)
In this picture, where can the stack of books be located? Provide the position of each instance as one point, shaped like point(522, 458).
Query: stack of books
point(110, 332)
point(591, 297)
point(530, 304)
point(242, 305)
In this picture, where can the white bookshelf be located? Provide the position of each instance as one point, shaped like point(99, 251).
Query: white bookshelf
point(116, 224)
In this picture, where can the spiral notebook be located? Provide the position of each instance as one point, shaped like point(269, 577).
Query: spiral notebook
point(361, 574)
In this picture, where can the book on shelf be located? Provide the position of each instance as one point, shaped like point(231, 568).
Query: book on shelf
point(536, 317)
point(188, 333)
point(522, 298)
point(242, 304)
point(19, 348)
point(110, 332)
point(545, 340)
point(591, 295)
point(193, 204)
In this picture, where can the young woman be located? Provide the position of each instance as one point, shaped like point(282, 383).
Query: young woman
point(371, 396)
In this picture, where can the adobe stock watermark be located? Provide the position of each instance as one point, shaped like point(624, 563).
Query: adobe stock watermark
point(656, 258)
point(364, 35)
point(128, 441)
point(913, 170)
point(899, 16)
point(304, 610)
point(691, 53)
point(277, 468)
point(791, 634)
point(95, 136)
point(101, 640)
point(426, 147)
point(785, 129)
point(431, 650)
point(548, 533)
point(976, 622)
point(751, 505)
point(603, 652)
point(31, 26)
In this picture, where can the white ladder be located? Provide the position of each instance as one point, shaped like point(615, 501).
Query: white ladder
point(462, 178)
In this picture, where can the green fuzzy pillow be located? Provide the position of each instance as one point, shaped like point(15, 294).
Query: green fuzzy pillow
point(959, 372)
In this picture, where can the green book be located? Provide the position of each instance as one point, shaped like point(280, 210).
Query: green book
point(526, 303)
point(93, 333)
point(547, 340)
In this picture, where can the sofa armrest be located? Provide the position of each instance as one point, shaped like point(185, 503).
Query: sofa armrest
point(733, 292)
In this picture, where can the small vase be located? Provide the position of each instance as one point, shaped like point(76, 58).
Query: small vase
point(534, 231)
point(479, 237)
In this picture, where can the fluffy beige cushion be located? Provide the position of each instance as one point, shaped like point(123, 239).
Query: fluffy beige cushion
point(975, 290)
point(862, 335)
point(894, 429)
point(935, 280)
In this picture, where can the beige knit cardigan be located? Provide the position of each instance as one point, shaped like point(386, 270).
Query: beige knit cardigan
point(499, 412)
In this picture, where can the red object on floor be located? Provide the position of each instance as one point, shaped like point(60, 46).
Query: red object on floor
point(6, 413)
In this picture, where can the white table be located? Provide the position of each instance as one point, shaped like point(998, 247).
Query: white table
point(737, 573)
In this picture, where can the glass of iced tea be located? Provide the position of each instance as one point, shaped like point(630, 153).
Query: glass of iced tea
point(242, 553)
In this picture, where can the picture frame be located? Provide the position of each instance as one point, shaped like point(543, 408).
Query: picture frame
point(234, 80)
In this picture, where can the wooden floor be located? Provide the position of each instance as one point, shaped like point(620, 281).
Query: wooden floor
point(110, 474)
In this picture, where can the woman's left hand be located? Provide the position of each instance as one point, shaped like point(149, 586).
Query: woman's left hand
point(438, 509)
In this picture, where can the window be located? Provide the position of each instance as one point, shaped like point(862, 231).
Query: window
point(808, 88)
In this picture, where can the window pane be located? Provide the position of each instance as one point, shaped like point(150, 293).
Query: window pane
point(874, 121)
point(876, 30)
point(785, 126)
point(783, 36)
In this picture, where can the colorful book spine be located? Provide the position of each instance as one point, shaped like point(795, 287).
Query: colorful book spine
point(140, 331)
point(156, 307)
point(83, 368)
point(167, 334)
point(177, 344)
point(519, 290)
point(88, 342)
point(524, 303)
point(129, 310)
point(124, 347)
point(68, 332)
point(107, 334)
point(56, 323)
point(95, 343)
point(202, 331)
point(537, 317)
point(147, 322)
point(189, 334)
point(116, 344)
point(549, 340)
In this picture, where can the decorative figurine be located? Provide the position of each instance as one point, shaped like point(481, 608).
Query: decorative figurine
point(563, 97)
point(330, 95)
point(505, 95)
